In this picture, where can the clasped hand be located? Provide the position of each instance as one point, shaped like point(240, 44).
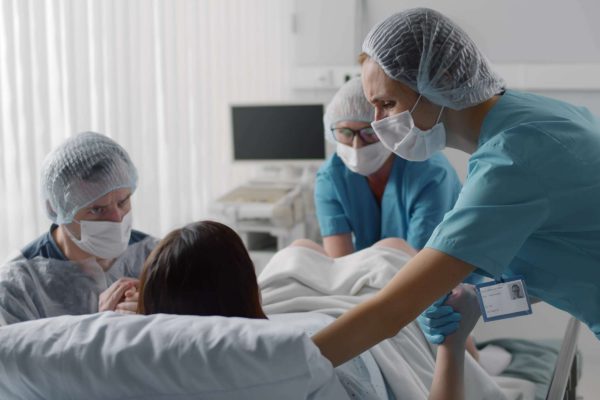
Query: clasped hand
point(452, 317)
point(122, 296)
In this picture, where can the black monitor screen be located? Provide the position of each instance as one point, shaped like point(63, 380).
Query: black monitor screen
point(278, 132)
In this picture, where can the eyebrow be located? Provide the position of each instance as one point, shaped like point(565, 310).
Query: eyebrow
point(98, 205)
point(106, 205)
point(375, 98)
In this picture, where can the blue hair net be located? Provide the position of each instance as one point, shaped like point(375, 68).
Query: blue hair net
point(428, 52)
point(82, 169)
point(348, 104)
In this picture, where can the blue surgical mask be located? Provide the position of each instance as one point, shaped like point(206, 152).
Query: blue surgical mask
point(399, 134)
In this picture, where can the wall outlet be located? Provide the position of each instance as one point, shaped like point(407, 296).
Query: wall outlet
point(312, 78)
point(341, 75)
point(323, 77)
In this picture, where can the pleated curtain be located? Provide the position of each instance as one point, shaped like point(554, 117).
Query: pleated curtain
point(158, 76)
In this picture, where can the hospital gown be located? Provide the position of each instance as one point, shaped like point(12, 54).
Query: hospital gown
point(41, 283)
point(416, 197)
point(360, 376)
point(531, 203)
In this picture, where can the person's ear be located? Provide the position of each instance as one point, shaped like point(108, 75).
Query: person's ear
point(50, 210)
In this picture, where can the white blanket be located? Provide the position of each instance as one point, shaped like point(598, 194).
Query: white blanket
point(161, 357)
point(302, 280)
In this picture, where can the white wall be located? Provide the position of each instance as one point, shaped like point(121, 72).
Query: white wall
point(516, 31)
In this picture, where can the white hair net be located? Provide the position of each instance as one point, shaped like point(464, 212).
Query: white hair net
point(348, 104)
point(82, 169)
point(428, 52)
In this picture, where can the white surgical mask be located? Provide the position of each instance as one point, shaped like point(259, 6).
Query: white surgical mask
point(400, 135)
point(364, 160)
point(104, 239)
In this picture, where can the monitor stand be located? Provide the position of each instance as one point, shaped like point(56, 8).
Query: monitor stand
point(286, 173)
point(281, 172)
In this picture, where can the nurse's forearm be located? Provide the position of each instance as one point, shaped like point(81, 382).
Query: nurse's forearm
point(338, 245)
point(354, 332)
point(428, 276)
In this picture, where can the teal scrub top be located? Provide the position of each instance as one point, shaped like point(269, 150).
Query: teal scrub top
point(531, 203)
point(416, 197)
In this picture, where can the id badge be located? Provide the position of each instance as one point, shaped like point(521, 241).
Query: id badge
point(505, 299)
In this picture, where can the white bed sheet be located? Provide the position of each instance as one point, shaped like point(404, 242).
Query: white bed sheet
point(302, 280)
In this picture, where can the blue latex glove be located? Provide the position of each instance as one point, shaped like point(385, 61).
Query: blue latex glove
point(438, 321)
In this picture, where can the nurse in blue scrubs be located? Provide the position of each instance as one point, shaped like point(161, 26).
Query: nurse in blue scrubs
point(365, 193)
point(530, 205)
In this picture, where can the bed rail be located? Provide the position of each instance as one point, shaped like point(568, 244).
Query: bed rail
point(564, 379)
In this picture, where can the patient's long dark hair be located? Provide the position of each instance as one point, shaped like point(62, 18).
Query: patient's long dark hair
point(200, 269)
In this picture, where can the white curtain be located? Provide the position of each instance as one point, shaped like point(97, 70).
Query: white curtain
point(156, 75)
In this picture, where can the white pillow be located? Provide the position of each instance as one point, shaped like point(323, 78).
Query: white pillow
point(110, 356)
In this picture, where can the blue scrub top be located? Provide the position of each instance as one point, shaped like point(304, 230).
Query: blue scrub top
point(531, 203)
point(416, 197)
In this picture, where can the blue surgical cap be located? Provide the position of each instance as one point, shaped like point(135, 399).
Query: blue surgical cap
point(348, 104)
point(82, 169)
point(428, 52)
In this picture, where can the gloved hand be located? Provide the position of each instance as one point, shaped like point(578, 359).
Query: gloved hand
point(438, 321)
point(463, 300)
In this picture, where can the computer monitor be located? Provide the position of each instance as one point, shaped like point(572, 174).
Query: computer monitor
point(278, 133)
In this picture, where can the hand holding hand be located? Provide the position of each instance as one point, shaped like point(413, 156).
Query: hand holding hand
point(438, 321)
point(115, 294)
point(130, 304)
point(463, 300)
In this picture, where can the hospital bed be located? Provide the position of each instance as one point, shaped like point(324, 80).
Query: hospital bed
point(313, 282)
point(110, 356)
point(566, 371)
point(554, 365)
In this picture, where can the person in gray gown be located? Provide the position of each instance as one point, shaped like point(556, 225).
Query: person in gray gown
point(91, 255)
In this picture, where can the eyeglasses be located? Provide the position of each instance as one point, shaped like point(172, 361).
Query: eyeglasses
point(346, 135)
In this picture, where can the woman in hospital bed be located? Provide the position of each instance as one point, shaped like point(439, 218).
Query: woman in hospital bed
point(204, 269)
